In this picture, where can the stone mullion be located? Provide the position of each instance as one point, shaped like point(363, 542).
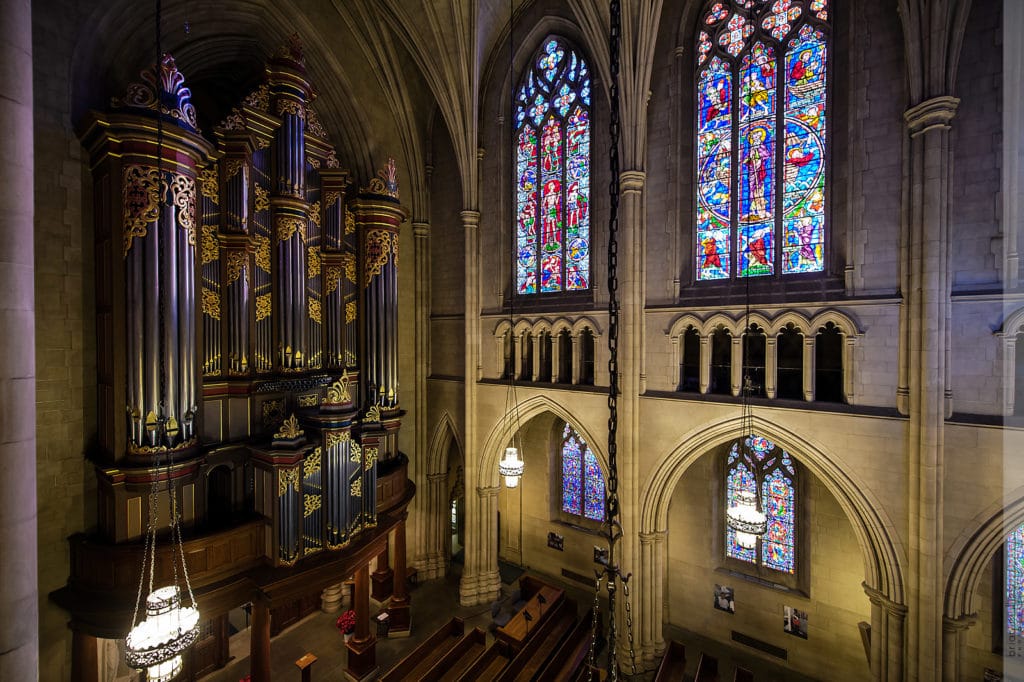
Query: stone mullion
point(771, 365)
point(422, 511)
point(736, 365)
point(809, 367)
point(705, 363)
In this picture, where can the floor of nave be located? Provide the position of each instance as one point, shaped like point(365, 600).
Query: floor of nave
point(434, 603)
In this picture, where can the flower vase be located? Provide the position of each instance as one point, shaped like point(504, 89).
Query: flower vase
point(347, 636)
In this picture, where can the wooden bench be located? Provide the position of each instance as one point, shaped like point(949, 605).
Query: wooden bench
point(542, 642)
point(672, 663)
point(490, 665)
point(421, 659)
point(459, 659)
point(572, 656)
point(707, 669)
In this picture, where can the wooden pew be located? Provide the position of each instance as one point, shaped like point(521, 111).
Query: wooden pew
point(572, 656)
point(490, 665)
point(459, 659)
point(418, 661)
point(543, 600)
point(707, 669)
point(543, 640)
point(742, 675)
point(672, 663)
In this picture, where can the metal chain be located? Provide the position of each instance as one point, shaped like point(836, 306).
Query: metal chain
point(594, 622)
point(629, 627)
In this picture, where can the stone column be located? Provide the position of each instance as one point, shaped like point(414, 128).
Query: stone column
point(849, 344)
point(888, 637)
point(771, 363)
point(809, 367)
point(577, 361)
point(954, 644)
point(382, 577)
point(362, 648)
point(556, 358)
point(517, 355)
point(19, 637)
point(927, 301)
point(481, 582)
point(535, 370)
point(330, 598)
point(1013, 139)
point(422, 511)
point(398, 610)
point(85, 663)
point(736, 365)
point(259, 641)
point(435, 526)
point(705, 363)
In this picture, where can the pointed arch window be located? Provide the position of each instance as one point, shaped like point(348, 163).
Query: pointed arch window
point(553, 172)
point(1014, 594)
point(762, 459)
point(582, 479)
point(761, 128)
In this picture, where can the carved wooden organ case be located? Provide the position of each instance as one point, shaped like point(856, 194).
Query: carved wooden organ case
point(275, 288)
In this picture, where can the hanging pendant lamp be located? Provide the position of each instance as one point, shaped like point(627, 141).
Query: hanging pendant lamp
point(511, 467)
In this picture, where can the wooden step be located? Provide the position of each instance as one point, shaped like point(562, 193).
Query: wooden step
point(421, 659)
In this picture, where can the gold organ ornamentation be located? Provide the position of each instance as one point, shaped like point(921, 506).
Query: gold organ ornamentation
point(290, 106)
point(289, 478)
point(371, 458)
point(262, 252)
point(338, 393)
point(314, 310)
point(209, 185)
point(262, 197)
point(376, 253)
point(386, 181)
point(141, 193)
point(312, 261)
point(237, 265)
point(183, 193)
point(258, 98)
point(333, 438)
point(349, 261)
point(350, 222)
point(330, 198)
point(211, 303)
point(232, 167)
point(313, 123)
point(289, 429)
point(210, 245)
point(314, 213)
point(350, 312)
point(310, 504)
point(332, 277)
point(288, 225)
point(262, 307)
point(311, 400)
point(356, 489)
point(311, 465)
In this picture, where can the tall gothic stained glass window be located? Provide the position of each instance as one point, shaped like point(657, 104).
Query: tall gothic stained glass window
point(776, 549)
point(761, 125)
point(553, 172)
point(582, 480)
point(1014, 641)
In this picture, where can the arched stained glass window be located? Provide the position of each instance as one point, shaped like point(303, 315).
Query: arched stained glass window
point(776, 549)
point(582, 480)
point(1014, 640)
point(761, 128)
point(553, 173)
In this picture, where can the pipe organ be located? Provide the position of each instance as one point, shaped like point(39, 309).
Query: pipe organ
point(247, 323)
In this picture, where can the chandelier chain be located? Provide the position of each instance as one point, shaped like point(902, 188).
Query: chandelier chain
point(629, 628)
point(594, 624)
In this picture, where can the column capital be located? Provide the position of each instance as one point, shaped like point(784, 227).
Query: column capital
point(470, 218)
point(879, 599)
point(652, 537)
point(930, 114)
point(632, 181)
point(959, 623)
point(484, 493)
point(420, 229)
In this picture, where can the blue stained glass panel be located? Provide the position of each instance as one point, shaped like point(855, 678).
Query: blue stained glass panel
point(804, 161)
point(740, 478)
point(757, 162)
point(594, 487)
point(1015, 593)
point(714, 175)
point(553, 196)
point(572, 476)
point(777, 545)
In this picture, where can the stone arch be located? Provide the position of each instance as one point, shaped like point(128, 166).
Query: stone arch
point(584, 322)
point(1012, 325)
point(561, 325)
point(444, 435)
point(505, 428)
point(543, 324)
point(681, 323)
point(503, 327)
point(876, 534)
point(756, 318)
point(522, 326)
point(721, 319)
point(972, 551)
point(800, 323)
point(841, 320)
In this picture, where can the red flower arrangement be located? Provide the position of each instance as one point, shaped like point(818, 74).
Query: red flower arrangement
point(347, 622)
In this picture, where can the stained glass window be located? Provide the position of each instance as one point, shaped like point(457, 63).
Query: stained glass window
point(553, 173)
point(775, 468)
point(761, 125)
point(582, 480)
point(1014, 642)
